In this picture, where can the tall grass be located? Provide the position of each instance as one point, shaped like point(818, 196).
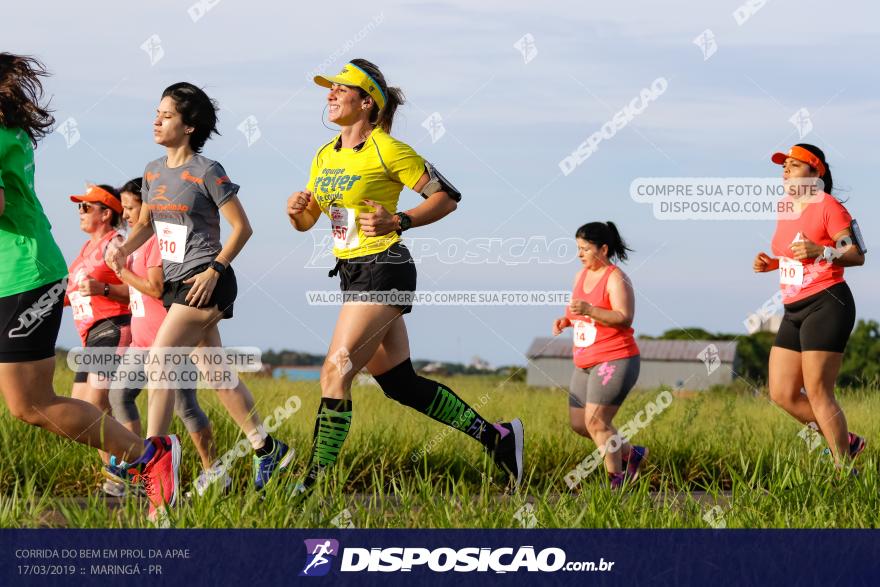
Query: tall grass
point(728, 457)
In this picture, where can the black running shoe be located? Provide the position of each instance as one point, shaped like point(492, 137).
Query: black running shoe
point(508, 453)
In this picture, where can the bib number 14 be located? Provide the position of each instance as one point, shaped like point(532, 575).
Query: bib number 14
point(584, 333)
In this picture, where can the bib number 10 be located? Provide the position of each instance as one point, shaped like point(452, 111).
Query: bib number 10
point(791, 272)
point(172, 241)
point(167, 247)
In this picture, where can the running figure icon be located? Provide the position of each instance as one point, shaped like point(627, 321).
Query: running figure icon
point(319, 552)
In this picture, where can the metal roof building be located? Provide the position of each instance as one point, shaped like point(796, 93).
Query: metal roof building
point(679, 364)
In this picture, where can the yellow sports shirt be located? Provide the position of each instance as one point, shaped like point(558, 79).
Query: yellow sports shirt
point(341, 179)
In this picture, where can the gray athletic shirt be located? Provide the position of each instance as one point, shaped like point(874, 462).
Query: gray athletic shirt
point(185, 204)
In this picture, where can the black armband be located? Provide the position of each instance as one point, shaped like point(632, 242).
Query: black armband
point(438, 183)
point(857, 237)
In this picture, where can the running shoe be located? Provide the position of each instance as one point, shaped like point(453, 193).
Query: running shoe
point(160, 476)
point(856, 445)
point(303, 489)
point(215, 476)
point(265, 466)
point(119, 473)
point(634, 464)
point(114, 489)
point(508, 453)
point(617, 480)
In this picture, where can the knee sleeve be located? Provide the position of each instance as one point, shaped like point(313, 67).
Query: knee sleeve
point(402, 384)
point(187, 408)
point(122, 404)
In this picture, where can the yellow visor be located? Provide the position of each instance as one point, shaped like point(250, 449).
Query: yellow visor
point(352, 75)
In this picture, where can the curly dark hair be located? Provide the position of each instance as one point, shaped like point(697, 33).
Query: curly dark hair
point(21, 94)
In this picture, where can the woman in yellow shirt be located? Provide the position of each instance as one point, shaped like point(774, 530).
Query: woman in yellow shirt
point(356, 180)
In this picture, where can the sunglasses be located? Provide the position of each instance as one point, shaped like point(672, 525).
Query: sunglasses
point(85, 207)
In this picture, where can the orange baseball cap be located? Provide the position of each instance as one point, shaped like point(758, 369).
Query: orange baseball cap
point(101, 196)
point(800, 154)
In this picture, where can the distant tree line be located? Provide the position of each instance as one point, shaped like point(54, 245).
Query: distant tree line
point(861, 361)
point(290, 358)
point(296, 358)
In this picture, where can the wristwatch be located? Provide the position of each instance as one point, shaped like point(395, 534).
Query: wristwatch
point(217, 266)
point(829, 254)
point(106, 289)
point(405, 221)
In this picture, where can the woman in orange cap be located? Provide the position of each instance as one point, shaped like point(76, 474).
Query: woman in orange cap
point(98, 298)
point(812, 245)
point(355, 180)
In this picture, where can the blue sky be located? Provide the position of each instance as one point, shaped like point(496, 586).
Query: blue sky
point(508, 124)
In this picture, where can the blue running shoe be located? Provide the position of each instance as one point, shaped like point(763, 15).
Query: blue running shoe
point(265, 466)
point(120, 478)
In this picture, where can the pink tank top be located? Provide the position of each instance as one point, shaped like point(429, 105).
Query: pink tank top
point(147, 312)
point(593, 342)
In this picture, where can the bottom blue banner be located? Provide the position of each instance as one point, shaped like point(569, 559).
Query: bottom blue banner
point(364, 557)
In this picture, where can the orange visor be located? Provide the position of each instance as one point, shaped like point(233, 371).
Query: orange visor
point(101, 196)
point(800, 154)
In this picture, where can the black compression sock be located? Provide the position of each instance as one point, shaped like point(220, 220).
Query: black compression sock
point(436, 401)
point(331, 429)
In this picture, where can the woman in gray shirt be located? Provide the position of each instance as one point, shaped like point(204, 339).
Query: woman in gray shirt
point(184, 195)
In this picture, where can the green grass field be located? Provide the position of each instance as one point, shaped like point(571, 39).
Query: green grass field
point(727, 456)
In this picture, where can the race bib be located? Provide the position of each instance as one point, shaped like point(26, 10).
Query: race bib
point(344, 227)
point(791, 272)
point(136, 303)
point(172, 241)
point(81, 306)
point(584, 333)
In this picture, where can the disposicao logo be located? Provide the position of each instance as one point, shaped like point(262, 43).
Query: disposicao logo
point(319, 553)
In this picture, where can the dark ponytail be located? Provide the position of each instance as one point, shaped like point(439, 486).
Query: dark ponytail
point(134, 187)
point(604, 233)
point(383, 118)
point(826, 179)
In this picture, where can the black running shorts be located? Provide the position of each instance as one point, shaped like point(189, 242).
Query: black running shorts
point(223, 296)
point(821, 322)
point(29, 323)
point(388, 278)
